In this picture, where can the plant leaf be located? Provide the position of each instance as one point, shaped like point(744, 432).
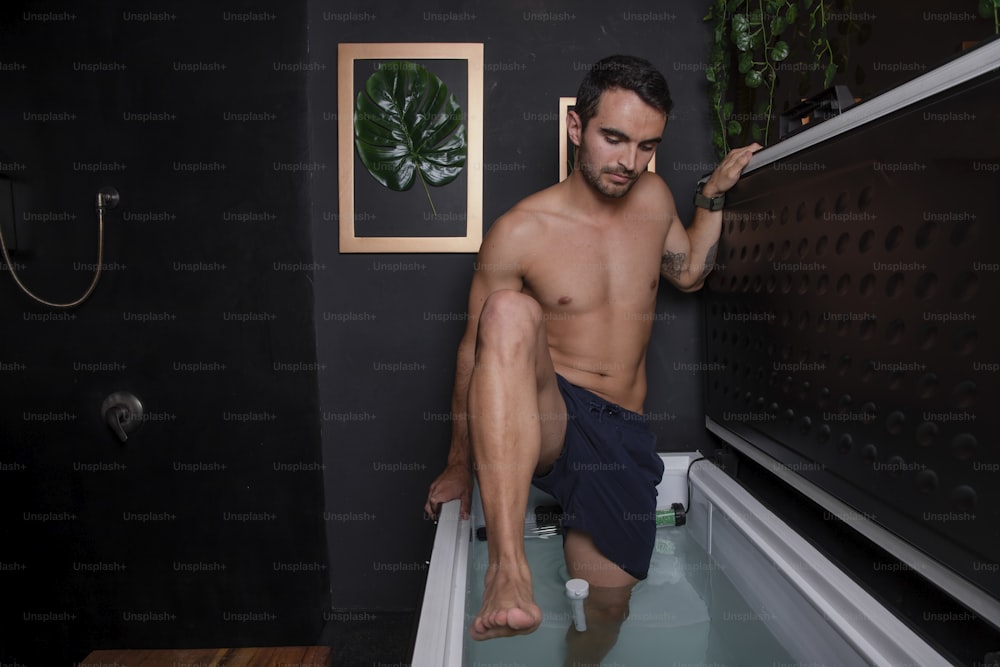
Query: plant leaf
point(407, 124)
point(780, 51)
point(740, 33)
point(753, 79)
point(828, 74)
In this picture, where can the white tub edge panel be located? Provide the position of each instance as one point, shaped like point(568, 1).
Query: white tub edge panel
point(945, 579)
point(441, 629)
point(877, 634)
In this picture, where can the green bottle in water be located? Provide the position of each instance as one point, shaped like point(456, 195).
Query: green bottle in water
point(674, 516)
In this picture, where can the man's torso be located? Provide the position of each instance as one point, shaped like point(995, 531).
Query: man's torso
point(596, 280)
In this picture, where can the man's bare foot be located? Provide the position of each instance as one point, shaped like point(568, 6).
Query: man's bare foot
point(508, 605)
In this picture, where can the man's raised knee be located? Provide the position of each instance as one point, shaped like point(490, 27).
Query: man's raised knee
point(507, 313)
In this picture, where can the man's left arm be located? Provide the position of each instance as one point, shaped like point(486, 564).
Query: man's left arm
point(689, 254)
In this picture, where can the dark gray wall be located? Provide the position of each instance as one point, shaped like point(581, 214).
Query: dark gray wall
point(387, 431)
point(206, 527)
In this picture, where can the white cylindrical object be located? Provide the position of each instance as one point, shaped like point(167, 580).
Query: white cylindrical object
point(577, 591)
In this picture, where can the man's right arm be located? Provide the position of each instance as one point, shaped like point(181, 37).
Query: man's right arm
point(499, 266)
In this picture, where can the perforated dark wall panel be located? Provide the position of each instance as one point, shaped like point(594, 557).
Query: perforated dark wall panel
point(853, 329)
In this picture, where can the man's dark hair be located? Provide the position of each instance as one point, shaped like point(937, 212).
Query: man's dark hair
point(625, 72)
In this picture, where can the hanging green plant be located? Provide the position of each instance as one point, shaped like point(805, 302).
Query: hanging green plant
point(755, 36)
point(990, 9)
point(408, 127)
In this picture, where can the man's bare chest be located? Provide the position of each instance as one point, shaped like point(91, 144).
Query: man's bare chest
point(587, 272)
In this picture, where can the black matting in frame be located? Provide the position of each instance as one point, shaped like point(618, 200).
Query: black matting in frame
point(380, 211)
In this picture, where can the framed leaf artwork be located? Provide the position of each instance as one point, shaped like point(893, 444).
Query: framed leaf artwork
point(410, 135)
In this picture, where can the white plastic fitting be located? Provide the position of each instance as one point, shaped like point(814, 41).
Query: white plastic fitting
point(577, 590)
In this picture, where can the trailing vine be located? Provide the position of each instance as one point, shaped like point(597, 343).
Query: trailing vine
point(990, 9)
point(752, 44)
point(754, 36)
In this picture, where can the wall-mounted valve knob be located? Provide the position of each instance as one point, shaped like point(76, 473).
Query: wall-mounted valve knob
point(122, 413)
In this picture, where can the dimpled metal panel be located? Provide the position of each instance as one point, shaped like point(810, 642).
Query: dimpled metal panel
point(852, 322)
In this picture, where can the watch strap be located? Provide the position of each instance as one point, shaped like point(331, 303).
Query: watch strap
point(710, 203)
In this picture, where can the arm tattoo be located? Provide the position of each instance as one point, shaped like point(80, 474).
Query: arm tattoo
point(672, 264)
point(710, 259)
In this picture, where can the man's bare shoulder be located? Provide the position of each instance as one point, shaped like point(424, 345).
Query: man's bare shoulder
point(526, 220)
point(650, 193)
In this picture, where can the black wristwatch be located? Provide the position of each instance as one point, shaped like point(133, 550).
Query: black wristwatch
point(711, 203)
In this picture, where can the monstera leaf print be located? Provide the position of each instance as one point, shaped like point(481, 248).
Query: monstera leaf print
point(407, 127)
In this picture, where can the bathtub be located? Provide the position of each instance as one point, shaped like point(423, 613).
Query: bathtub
point(827, 619)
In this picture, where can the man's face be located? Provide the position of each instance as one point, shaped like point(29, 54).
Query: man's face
point(618, 142)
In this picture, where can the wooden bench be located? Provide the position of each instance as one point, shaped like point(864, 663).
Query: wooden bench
point(275, 656)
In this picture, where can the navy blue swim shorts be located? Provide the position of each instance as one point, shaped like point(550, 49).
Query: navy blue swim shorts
point(605, 478)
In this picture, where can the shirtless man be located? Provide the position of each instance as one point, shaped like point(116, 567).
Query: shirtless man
point(560, 315)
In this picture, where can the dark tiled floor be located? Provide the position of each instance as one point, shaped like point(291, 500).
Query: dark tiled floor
point(362, 638)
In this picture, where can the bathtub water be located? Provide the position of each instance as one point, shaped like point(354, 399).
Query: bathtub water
point(734, 586)
point(686, 612)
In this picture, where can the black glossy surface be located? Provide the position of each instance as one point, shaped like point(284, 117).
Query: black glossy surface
point(853, 321)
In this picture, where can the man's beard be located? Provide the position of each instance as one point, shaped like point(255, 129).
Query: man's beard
point(592, 175)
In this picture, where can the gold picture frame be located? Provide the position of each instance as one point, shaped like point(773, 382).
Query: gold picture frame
point(348, 56)
point(565, 104)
